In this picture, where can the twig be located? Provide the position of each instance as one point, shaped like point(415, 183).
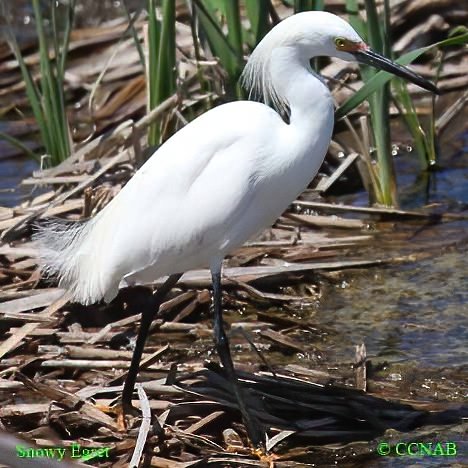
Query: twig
point(325, 184)
point(16, 338)
point(360, 359)
point(376, 211)
point(144, 428)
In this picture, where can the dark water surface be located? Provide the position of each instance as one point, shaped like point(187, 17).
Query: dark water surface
point(12, 172)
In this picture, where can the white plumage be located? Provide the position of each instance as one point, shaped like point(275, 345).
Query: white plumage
point(216, 182)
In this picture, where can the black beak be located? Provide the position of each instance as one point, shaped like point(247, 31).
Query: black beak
point(369, 57)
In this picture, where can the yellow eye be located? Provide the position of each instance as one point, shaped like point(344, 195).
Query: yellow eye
point(340, 43)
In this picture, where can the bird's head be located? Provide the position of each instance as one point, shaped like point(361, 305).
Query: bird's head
point(318, 33)
point(303, 36)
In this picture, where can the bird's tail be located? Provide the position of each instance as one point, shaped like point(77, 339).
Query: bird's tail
point(63, 255)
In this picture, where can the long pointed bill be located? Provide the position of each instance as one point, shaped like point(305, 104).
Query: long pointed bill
point(369, 57)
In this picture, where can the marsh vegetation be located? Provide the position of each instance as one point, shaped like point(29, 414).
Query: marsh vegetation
point(374, 251)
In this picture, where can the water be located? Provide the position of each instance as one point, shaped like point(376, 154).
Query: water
point(12, 172)
point(413, 316)
point(414, 312)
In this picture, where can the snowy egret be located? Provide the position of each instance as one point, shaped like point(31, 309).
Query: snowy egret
point(215, 183)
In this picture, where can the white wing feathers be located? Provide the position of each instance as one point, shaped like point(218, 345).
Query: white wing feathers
point(179, 209)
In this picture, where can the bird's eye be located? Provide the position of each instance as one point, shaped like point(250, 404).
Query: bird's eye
point(340, 43)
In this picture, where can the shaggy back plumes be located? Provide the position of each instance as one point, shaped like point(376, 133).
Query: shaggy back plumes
point(61, 244)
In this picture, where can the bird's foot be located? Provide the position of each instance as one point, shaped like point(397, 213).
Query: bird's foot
point(110, 410)
point(122, 411)
point(235, 444)
point(114, 411)
point(264, 456)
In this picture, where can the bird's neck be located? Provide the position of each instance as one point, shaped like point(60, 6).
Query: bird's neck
point(305, 92)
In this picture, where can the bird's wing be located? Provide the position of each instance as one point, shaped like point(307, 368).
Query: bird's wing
point(184, 204)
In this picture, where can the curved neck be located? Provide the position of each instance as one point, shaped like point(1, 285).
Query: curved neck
point(296, 82)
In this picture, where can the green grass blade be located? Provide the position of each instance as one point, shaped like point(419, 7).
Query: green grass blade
point(154, 36)
point(308, 5)
point(379, 104)
point(131, 27)
point(257, 12)
point(59, 73)
point(381, 131)
point(55, 39)
point(459, 39)
point(70, 14)
point(32, 92)
point(166, 53)
point(303, 5)
point(374, 28)
point(234, 24)
point(386, 36)
point(51, 140)
point(51, 90)
point(161, 75)
point(218, 42)
point(407, 110)
point(355, 19)
point(432, 134)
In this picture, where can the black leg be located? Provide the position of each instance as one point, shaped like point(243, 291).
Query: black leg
point(222, 346)
point(150, 308)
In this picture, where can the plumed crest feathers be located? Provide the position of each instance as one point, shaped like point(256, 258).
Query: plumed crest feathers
point(256, 79)
point(306, 35)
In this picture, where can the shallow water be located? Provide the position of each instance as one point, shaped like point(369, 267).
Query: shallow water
point(414, 312)
point(412, 317)
point(12, 172)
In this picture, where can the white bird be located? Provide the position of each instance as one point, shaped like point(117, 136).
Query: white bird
point(219, 180)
